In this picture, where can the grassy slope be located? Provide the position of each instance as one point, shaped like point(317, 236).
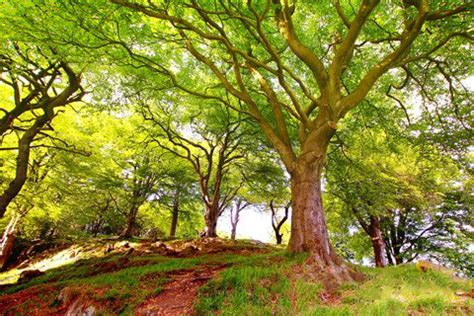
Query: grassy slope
point(273, 283)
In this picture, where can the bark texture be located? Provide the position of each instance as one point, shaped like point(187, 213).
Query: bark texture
point(174, 215)
point(308, 227)
point(377, 242)
point(211, 215)
point(7, 242)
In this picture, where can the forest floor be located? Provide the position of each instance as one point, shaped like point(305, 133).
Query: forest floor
point(215, 277)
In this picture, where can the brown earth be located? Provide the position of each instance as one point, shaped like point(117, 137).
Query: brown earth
point(179, 295)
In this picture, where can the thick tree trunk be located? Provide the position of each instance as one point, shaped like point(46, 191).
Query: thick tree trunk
point(377, 241)
point(308, 226)
point(15, 186)
point(174, 219)
point(210, 220)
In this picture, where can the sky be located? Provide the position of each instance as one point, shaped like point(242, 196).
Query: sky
point(253, 224)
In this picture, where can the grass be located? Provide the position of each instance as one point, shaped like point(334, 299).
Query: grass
point(273, 283)
point(270, 287)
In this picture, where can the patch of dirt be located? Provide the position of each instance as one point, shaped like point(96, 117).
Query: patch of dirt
point(329, 298)
point(32, 299)
point(198, 247)
point(178, 295)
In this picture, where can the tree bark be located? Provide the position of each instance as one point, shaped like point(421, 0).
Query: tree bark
point(22, 160)
point(7, 242)
point(308, 227)
point(210, 219)
point(277, 224)
point(233, 232)
point(132, 216)
point(377, 241)
point(174, 216)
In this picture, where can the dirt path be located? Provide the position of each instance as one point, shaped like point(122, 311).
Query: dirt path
point(179, 294)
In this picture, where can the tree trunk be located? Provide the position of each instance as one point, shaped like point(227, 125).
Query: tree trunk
point(279, 238)
point(210, 219)
point(132, 216)
point(308, 226)
point(277, 224)
point(7, 242)
point(15, 186)
point(377, 241)
point(174, 218)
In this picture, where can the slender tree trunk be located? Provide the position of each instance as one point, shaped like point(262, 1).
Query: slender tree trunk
point(377, 241)
point(279, 238)
point(233, 232)
point(277, 224)
point(7, 242)
point(308, 227)
point(132, 216)
point(174, 217)
point(234, 220)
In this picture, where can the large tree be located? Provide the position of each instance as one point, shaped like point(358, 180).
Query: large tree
point(245, 47)
point(41, 83)
point(267, 60)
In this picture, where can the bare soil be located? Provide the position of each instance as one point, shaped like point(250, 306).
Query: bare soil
point(179, 295)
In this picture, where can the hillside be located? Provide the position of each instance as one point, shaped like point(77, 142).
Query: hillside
point(216, 277)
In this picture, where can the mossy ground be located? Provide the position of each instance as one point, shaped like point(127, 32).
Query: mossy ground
point(267, 283)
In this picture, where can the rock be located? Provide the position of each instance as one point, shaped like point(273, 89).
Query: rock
point(24, 264)
point(424, 266)
point(109, 248)
point(77, 304)
point(28, 275)
point(159, 246)
point(129, 251)
point(188, 250)
point(467, 294)
point(80, 308)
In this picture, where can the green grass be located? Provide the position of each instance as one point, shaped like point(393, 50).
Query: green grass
point(261, 284)
point(267, 287)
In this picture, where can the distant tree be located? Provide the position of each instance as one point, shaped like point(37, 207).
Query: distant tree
point(212, 151)
point(277, 222)
point(237, 206)
point(141, 180)
point(400, 195)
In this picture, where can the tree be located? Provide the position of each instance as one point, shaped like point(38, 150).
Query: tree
point(142, 185)
point(277, 223)
point(211, 25)
point(178, 192)
point(238, 205)
point(212, 151)
point(33, 77)
point(400, 195)
point(265, 60)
